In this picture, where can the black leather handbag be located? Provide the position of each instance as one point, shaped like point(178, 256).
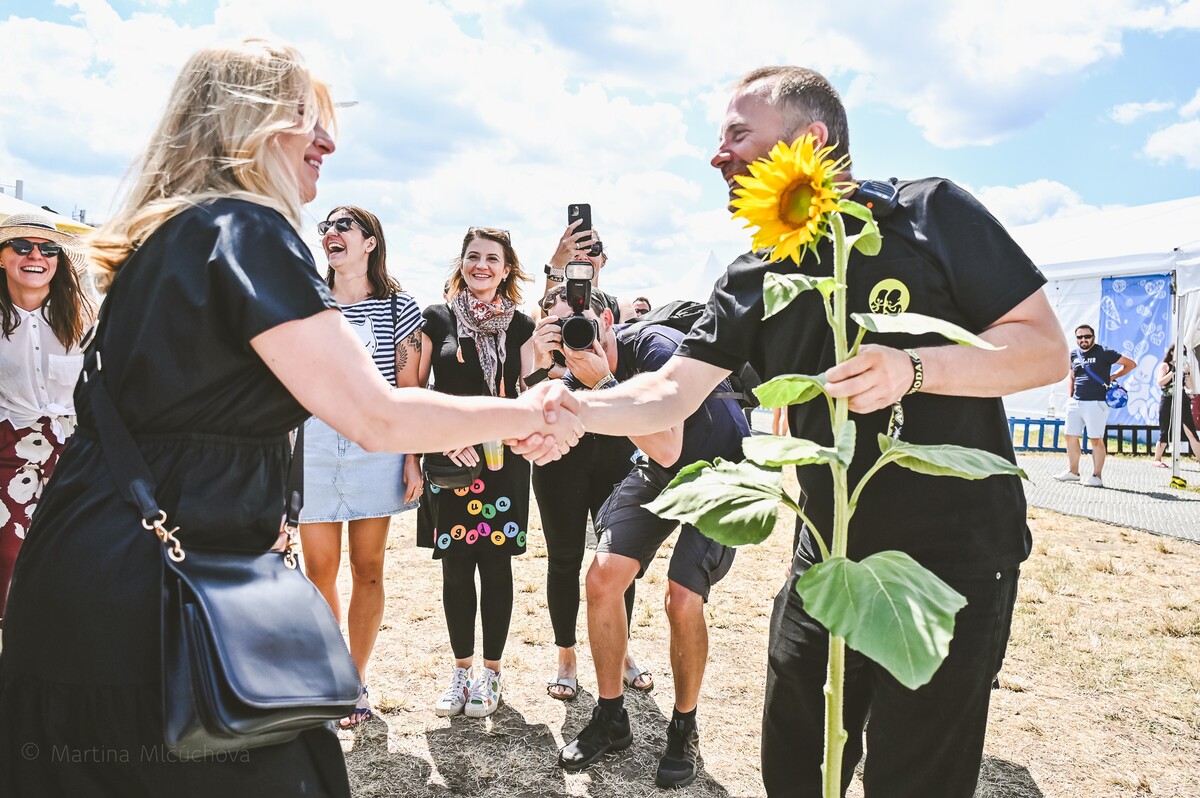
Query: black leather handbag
point(444, 473)
point(251, 652)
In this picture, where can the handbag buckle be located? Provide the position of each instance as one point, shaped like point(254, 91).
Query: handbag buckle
point(167, 536)
point(291, 532)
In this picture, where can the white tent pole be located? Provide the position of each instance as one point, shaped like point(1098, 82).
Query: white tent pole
point(1181, 304)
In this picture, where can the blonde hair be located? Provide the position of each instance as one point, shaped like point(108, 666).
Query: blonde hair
point(217, 138)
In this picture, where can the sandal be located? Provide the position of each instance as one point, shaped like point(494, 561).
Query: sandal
point(567, 683)
point(361, 713)
point(1158, 464)
point(635, 672)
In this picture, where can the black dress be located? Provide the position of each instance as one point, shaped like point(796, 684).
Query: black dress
point(492, 516)
point(80, 699)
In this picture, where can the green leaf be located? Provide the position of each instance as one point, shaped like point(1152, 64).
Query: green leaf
point(845, 443)
point(775, 451)
point(790, 389)
point(889, 608)
point(868, 241)
point(780, 289)
point(732, 503)
point(917, 324)
point(946, 460)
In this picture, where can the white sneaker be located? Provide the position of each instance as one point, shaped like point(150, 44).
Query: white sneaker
point(1092, 482)
point(455, 697)
point(485, 695)
point(1067, 476)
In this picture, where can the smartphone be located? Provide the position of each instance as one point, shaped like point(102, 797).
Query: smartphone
point(580, 211)
point(584, 211)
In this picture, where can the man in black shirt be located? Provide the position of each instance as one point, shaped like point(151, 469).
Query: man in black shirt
point(630, 535)
point(1090, 376)
point(943, 255)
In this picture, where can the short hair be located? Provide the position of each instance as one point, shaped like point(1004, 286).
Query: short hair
point(643, 299)
point(508, 286)
point(1087, 327)
point(597, 304)
point(383, 285)
point(803, 96)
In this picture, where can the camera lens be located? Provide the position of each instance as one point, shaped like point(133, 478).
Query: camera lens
point(578, 332)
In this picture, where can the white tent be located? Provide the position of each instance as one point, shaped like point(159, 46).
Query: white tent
point(1077, 252)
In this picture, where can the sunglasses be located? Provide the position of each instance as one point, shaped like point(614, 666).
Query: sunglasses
point(1084, 337)
point(491, 231)
point(23, 247)
point(343, 225)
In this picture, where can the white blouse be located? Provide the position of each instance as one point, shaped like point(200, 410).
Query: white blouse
point(37, 376)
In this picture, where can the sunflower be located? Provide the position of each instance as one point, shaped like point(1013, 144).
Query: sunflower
point(790, 196)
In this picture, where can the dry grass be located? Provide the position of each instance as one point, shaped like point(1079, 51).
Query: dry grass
point(1100, 694)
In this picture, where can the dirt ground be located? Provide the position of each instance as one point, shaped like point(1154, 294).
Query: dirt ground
point(1100, 694)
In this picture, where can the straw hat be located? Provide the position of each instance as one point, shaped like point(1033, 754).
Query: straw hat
point(34, 225)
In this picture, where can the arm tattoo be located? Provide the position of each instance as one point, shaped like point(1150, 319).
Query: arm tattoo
point(413, 342)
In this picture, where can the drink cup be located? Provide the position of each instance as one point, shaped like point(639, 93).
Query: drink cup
point(493, 455)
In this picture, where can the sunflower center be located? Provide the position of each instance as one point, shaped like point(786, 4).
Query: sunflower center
point(796, 204)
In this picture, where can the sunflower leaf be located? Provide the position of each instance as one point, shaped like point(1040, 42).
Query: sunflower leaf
point(918, 324)
point(946, 460)
point(888, 607)
point(845, 443)
point(790, 389)
point(780, 289)
point(868, 241)
point(731, 503)
point(774, 451)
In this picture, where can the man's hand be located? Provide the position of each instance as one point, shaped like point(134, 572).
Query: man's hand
point(569, 246)
point(588, 365)
point(562, 428)
point(546, 340)
point(873, 379)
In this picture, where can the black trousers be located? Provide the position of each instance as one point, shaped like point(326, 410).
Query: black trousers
point(924, 743)
point(495, 602)
point(567, 490)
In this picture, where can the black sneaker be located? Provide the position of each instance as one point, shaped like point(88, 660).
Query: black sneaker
point(602, 734)
point(677, 768)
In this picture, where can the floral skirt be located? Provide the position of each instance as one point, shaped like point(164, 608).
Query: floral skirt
point(27, 458)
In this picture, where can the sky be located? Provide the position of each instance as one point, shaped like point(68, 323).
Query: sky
point(467, 113)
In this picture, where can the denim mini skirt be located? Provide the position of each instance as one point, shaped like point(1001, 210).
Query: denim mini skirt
point(344, 482)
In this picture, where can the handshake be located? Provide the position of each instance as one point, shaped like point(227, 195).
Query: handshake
point(556, 415)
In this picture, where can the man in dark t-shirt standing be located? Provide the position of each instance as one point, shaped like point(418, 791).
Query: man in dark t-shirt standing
point(943, 255)
point(1090, 377)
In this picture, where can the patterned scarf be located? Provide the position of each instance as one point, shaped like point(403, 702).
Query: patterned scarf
point(486, 323)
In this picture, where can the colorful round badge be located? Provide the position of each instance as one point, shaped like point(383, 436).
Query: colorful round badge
point(502, 504)
point(521, 538)
point(434, 489)
point(498, 538)
point(477, 486)
point(474, 507)
point(461, 491)
point(472, 536)
point(489, 511)
point(443, 541)
point(511, 529)
point(458, 532)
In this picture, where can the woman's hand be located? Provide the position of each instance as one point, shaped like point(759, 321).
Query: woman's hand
point(466, 456)
point(568, 246)
point(414, 480)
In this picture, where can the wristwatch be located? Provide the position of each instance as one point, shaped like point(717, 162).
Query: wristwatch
point(554, 275)
point(537, 376)
point(607, 381)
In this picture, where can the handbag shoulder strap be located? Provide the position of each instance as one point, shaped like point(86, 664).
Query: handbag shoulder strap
point(1088, 369)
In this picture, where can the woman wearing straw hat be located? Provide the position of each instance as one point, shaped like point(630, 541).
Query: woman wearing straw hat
point(43, 314)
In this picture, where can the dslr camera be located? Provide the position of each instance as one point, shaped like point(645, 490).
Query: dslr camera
point(578, 331)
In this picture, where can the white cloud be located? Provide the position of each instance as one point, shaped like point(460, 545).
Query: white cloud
point(1035, 201)
point(1181, 140)
point(1126, 113)
point(1191, 107)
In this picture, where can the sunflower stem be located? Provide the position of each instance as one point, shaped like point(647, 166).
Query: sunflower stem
point(835, 732)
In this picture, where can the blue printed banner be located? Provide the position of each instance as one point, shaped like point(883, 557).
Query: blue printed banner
point(1135, 320)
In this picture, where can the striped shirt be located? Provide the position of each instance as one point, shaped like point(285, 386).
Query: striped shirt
point(371, 321)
